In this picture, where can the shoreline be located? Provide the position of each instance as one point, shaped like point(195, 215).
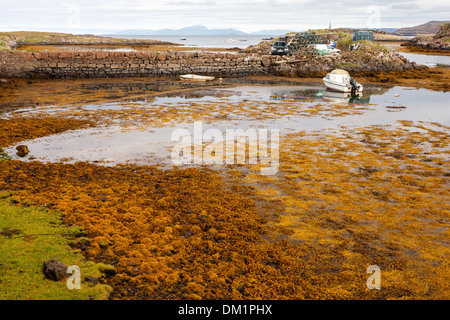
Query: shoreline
point(418, 49)
point(68, 56)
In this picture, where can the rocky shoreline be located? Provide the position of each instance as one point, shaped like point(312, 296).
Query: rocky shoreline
point(429, 43)
point(440, 42)
point(92, 62)
point(366, 64)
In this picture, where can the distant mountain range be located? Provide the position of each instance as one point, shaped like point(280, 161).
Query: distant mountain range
point(198, 31)
point(431, 27)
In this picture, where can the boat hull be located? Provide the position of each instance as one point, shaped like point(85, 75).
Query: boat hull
point(339, 87)
point(195, 77)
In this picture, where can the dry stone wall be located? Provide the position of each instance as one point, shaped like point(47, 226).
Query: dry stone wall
point(128, 64)
point(108, 64)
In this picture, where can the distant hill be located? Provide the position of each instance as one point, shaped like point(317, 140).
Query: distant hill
point(431, 27)
point(197, 31)
point(388, 30)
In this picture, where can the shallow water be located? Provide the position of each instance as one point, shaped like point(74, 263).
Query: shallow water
point(429, 60)
point(148, 143)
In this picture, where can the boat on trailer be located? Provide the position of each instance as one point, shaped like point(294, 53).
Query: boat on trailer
point(339, 80)
point(196, 77)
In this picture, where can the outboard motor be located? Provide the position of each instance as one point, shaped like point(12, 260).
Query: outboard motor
point(354, 85)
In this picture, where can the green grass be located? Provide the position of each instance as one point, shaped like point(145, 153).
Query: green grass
point(366, 46)
point(22, 255)
point(4, 157)
point(3, 46)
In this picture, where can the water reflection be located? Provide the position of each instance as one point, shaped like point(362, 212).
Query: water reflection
point(359, 98)
point(287, 108)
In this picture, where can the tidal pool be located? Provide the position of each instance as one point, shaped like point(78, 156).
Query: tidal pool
point(140, 132)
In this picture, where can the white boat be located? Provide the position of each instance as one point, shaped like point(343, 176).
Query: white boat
point(339, 80)
point(230, 41)
point(196, 77)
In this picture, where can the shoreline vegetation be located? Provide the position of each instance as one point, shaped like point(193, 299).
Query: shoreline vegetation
point(202, 234)
point(438, 44)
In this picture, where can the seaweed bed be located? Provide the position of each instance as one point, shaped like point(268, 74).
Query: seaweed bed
point(342, 201)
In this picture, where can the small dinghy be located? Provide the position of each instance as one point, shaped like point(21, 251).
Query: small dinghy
point(196, 77)
point(339, 80)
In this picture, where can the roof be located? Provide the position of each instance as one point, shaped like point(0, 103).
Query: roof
point(339, 71)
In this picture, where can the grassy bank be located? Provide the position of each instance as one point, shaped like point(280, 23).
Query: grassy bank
point(15, 39)
point(28, 237)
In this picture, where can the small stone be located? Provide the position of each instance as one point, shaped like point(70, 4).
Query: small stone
point(55, 270)
point(91, 279)
point(22, 150)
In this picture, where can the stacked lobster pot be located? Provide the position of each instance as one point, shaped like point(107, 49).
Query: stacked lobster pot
point(303, 43)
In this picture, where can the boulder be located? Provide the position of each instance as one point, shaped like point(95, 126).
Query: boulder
point(22, 150)
point(55, 270)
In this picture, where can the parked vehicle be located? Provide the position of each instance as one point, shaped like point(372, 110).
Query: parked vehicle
point(279, 48)
point(325, 49)
point(339, 80)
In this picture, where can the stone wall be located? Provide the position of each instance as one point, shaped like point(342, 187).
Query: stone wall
point(102, 64)
point(88, 64)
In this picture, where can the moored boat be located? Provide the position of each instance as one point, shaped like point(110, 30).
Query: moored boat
point(196, 77)
point(340, 80)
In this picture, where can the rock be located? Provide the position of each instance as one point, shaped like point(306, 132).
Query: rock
point(91, 279)
point(12, 44)
point(10, 232)
point(22, 150)
point(55, 270)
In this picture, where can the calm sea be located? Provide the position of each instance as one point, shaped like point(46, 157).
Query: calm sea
point(207, 41)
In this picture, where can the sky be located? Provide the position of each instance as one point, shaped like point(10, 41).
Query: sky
point(109, 16)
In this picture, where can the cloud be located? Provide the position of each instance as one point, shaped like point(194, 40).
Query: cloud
point(405, 6)
point(192, 3)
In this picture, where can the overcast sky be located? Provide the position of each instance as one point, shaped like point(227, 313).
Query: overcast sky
point(103, 16)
